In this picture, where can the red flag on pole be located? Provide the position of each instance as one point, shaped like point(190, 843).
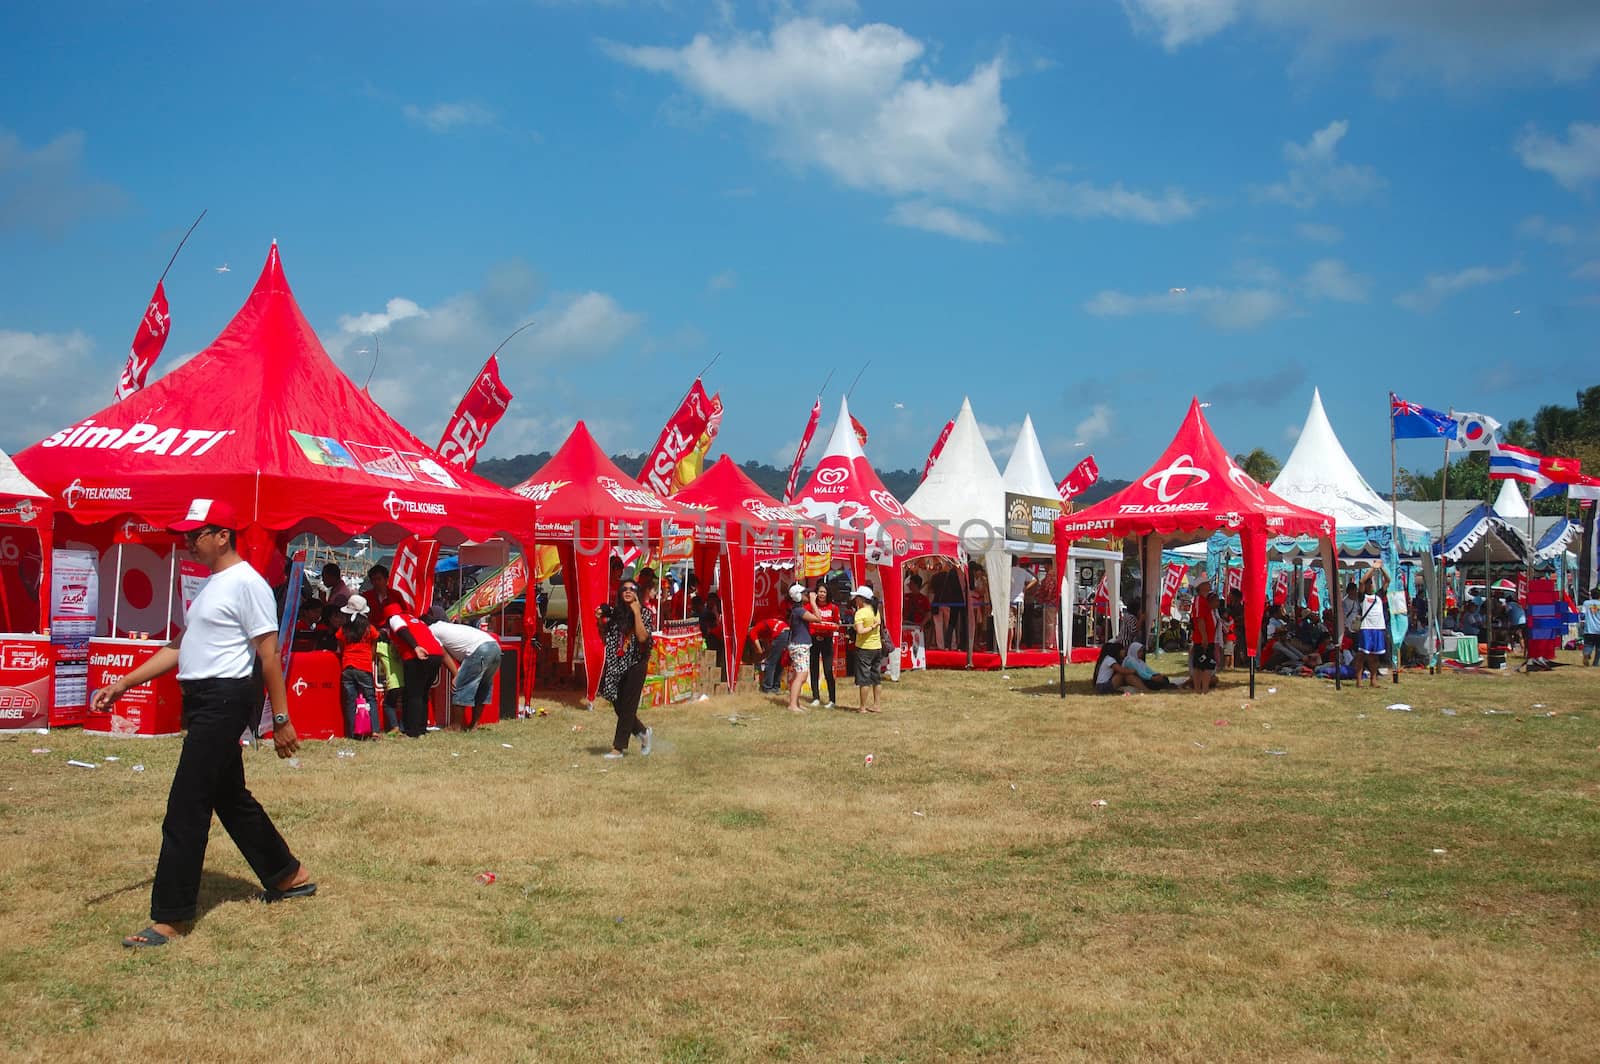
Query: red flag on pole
point(800, 452)
point(677, 439)
point(479, 411)
point(1561, 470)
point(1171, 580)
point(1082, 477)
point(938, 448)
point(861, 430)
point(411, 572)
point(147, 344)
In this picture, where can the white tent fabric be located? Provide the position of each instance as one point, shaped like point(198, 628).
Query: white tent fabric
point(13, 482)
point(1509, 504)
point(1320, 476)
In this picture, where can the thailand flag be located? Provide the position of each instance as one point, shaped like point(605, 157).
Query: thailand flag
point(1513, 463)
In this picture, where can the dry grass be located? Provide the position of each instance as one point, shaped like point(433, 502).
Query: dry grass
point(757, 892)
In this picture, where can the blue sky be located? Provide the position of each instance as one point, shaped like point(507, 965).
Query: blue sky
point(1084, 211)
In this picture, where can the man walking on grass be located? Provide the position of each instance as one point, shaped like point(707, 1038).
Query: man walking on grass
point(231, 624)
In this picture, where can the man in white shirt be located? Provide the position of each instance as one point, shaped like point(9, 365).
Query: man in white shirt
point(473, 657)
point(231, 625)
point(1021, 580)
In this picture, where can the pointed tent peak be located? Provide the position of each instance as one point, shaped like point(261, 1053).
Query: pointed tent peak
point(1319, 474)
point(963, 483)
point(1027, 472)
point(1509, 503)
point(272, 278)
point(843, 441)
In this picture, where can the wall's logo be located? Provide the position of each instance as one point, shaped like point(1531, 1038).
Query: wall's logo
point(1182, 466)
point(833, 476)
point(887, 501)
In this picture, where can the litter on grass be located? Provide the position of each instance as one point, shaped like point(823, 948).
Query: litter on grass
point(138, 768)
point(347, 753)
point(506, 745)
point(1399, 707)
point(109, 757)
point(41, 749)
point(1275, 753)
point(83, 764)
point(1220, 723)
point(1448, 712)
point(1099, 803)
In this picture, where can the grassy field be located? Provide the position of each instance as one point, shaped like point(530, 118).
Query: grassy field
point(1305, 876)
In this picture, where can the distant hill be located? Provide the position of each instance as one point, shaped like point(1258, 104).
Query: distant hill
point(508, 472)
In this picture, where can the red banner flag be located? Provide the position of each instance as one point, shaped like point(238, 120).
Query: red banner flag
point(147, 344)
point(1560, 470)
point(938, 448)
point(411, 572)
point(1313, 599)
point(677, 439)
point(1102, 597)
point(800, 452)
point(1280, 588)
point(1235, 579)
point(1171, 580)
point(1082, 477)
point(861, 430)
point(479, 411)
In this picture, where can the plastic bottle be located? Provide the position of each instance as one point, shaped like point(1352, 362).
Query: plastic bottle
point(363, 717)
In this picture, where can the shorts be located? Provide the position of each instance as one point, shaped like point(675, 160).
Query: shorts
point(1591, 639)
point(800, 657)
point(1373, 641)
point(1204, 658)
point(869, 667)
point(1107, 688)
point(475, 677)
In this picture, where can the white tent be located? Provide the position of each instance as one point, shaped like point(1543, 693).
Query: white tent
point(13, 482)
point(1509, 504)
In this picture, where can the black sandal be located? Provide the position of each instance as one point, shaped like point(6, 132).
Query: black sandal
point(272, 894)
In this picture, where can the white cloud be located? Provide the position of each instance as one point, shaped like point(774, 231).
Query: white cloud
point(723, 281)
point(1097, 426)
point(1458, 41)
point(998, 434)
point(1537, 227)
point(1332, 279)
point(1291, 433)
point(1318, 233)
point(44, 189)
point(52, 380)
point(1589, 271)
point(588, 324)
point(395, 310)
point(445, 117)
point(1315, 172)
point(850, 102)
point(935, 219)
point(1437, 287)
point(1574, 162)
point(1225, 308)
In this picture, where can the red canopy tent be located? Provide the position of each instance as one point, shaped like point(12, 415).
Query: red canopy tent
point(739, 528)
point(844, 490)
point(26, 508)
point(1195, 488)
point(263, 419)
point(586, 506)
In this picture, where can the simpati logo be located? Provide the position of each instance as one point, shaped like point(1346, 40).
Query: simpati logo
point(396, 506)
point(887, 501)
point(1182, 466)
point(76, 491)
point(1243, 479)
point(833, 476)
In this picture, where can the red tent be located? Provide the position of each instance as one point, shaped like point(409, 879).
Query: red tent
point(1195, 488)
point(844, 490)
point(587, 506)
point(24, 509)
point(263, 419)
point(741, 527)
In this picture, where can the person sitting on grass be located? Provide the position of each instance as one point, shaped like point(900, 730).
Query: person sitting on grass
point(1110, 675)
point(1150, 678)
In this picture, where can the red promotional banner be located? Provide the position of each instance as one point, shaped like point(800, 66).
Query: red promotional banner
point(411, 572)
point(1280, 588)
point(938, 448)
point(1235, 580)
point(1313, 600)
point(1102, 598)
point(147, 344)
point(479, 411)
point(1171, 580)
point(1561, 470)
point(860, 429)
point(1082, 477)
point(677, 440)
point(25, 682)
point(693, 463)
point(800, 452)
point(500, 588)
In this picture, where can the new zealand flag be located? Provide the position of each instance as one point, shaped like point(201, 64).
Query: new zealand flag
point(1413, 422)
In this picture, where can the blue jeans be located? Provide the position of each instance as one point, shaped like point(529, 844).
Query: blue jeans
point(475, 680)
point(772, 664)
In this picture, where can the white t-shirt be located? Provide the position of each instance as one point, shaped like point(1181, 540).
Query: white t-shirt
point(1372, 613)
point(459, 640)
point(1107, 670)
point(233, 607)
point(1019, 584)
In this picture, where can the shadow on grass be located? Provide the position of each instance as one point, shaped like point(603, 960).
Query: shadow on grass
point(216, 888)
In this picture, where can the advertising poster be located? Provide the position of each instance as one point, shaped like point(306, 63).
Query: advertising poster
point(74, 606)
point(24, 683)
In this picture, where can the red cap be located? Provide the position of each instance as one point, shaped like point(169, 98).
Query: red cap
point(207, 513)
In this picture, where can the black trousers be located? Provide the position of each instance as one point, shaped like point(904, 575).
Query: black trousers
point(822, 660)
point(419, 678)
point(627, 705)
point(210, 779)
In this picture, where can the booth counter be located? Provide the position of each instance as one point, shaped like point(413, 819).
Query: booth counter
point(27, 677)
point(149, 710)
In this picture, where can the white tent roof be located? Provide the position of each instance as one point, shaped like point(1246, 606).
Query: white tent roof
point(12, 482)
point(1509, 503)
point(1026, 472)
point(1320, 476)
point(963, 484)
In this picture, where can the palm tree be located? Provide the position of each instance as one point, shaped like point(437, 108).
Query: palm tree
point(1259, 465)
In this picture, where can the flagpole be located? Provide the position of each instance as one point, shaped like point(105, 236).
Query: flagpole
point(851, 390)
point(1394, 544)
point(179, 248)
point(1439, 575)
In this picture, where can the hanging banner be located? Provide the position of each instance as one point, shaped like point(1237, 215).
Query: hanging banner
point(148, 341)
point(677, 440)
point(411, 572)
point(24, 682)
point(938, 448)
point(1280, 587)
point(499, 589)
point(74, 607)
point(1082, 477)
point(684, 473)
point(800, 452)
point(1313, 596)
point(1235, 579)
point(1030, 519)
point(479, 411)
point(1171, 580)
point(1102, 597)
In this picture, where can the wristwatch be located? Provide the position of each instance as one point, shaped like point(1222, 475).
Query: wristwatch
point(280, 719)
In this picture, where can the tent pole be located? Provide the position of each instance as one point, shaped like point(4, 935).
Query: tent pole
point(1252, 659)
point(1437, 620)
point(1394, 549)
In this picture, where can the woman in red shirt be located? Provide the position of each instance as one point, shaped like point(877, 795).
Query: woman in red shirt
point(356, 638)
point(822, 633)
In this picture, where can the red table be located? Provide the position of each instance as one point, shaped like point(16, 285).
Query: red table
point(151, 709)
point(27, 678)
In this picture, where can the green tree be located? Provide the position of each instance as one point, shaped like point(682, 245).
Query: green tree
point(1259, 465)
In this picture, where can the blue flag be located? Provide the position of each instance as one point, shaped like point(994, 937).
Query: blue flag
point(1413, 422)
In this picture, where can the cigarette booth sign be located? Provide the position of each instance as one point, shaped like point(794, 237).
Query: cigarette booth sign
point(25, 683)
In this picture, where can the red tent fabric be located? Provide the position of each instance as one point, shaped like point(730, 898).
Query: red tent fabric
point(27, 511)
point(263, 419)
point(586, 506)
point(740, 527)
point(844, 490)
point(1196, 487)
